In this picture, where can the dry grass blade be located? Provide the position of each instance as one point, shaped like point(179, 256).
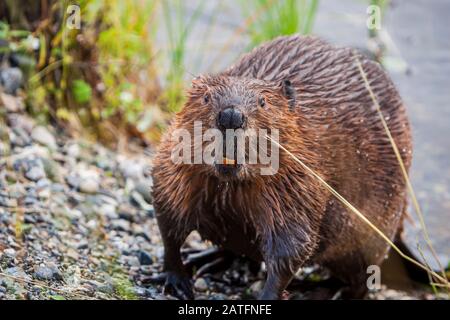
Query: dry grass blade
point(438, 277)
point(430, 278)
point(402, 166)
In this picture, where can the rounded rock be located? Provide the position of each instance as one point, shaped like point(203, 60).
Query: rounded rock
point(42, 136)
point(200, 285)
point(89, 186)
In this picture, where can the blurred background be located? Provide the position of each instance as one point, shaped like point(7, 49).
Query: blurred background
point(88, 87)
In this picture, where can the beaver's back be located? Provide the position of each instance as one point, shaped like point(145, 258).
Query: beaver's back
point(357, 157)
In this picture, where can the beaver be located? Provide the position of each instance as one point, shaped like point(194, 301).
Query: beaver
point(314, 94)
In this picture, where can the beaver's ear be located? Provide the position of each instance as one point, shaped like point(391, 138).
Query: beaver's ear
point(288, 91)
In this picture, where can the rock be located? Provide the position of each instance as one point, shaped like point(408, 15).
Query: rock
point(106, 288)
point(105, 160)
point(73, 214)
point(11, 103)
point(52, 169)
point(92, 224)
point(194, 241)
point(145, 258)
point(29, 201)
point(218, 296)
point(58, 187)
point(72, 275)
point(10, 252)
point(84, 178)
point(44, 273)
point(7, 202)
point(144, 187)
point(42, 136)
point(20, 138)
point(256, 288)
point(16, 120)
point(120, 225)
point(11, 79)
point(131, 168)
point(43, 183)
point(30, 164)
point(35, 173)
point(126, 212)
point(72, 254)
point(44, 194)
point(200, 285)
point(86, 209)
point(17, 272)
point(132, 261)
point(139, 231)
point(108, 210)
point(89, 185)
point(73, 150)
point(138, 200)
point(140, 291)
point(83, 244)
point(47, 272)
point(29, 219)
point(73, 181)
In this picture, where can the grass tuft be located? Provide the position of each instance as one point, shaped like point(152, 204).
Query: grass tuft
point(178, 31)
point(280, 18)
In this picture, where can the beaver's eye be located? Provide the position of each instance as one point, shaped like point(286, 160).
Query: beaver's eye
point(206, 98)
point(262, 102)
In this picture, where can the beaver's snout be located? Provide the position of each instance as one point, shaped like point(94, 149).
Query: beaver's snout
point(230, 118)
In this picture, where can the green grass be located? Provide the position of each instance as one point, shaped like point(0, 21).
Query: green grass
point(382, 4)
point(125, 46)
point(178, 29)
point(101, 75)
point(271, 18)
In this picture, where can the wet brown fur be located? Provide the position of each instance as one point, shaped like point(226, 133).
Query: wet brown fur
point(289, 219)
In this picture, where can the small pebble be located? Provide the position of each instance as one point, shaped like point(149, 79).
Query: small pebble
point(200, 285)
point(42, 135)
point(145, 258)
point(44, 273)
point(89, 186)
point(35, 173)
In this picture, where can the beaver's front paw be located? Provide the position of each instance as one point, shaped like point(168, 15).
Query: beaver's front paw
point(179, 286)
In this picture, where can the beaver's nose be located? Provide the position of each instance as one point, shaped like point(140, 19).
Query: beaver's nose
point(230, 118)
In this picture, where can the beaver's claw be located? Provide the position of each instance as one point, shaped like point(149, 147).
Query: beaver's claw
point(179, 286)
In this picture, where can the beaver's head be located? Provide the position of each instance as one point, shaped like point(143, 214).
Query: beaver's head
point(233, 117)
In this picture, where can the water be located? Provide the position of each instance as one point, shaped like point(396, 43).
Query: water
point(419, 29)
